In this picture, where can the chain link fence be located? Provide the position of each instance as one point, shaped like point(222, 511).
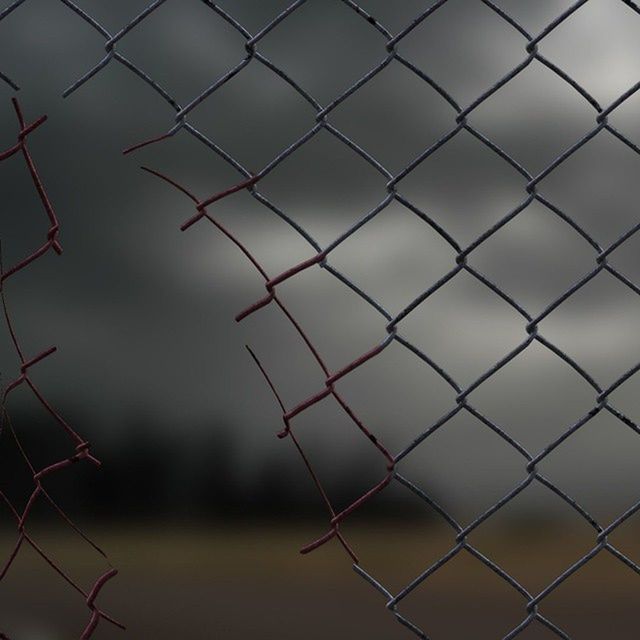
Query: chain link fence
point(10, 434)
point(320, 257)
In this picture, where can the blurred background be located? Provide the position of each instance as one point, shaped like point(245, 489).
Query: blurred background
point(198, 503)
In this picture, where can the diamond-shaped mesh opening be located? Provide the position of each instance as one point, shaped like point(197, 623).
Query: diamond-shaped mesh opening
point(598, 467)
point(412, 395)
point(464, 186)
point(335, 187)
point(533, 550)
point(465, 48)
point(534, 415)
point(578, 607)
point(446, 330)
point(464, 598)
point(254, 130)
point(185, 47)
point(370, 257)
point(596, 327)
point(471, 477)
point(50, 31)
point(534, 258)
point(584, 48)
point(325, 47)
point(535, 100)
point(379, 119)
point(597, 187)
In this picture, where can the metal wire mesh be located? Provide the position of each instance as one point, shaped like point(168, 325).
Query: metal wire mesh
point(81, 451)
point(532, 603)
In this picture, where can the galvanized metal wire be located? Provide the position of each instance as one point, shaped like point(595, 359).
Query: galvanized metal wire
point(320, 258)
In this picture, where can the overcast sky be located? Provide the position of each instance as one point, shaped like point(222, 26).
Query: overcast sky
point(143, 314)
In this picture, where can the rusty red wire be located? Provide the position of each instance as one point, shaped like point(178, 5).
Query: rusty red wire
point(81, 450)
point(330, 378)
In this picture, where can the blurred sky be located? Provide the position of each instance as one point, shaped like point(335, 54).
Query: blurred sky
point(143, 314)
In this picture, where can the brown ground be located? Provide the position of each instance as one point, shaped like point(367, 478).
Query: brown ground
point(250, 582)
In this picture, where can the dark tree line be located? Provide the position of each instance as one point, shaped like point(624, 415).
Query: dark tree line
point(153, 470)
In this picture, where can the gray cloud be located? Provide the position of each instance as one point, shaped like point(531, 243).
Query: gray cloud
point(143, 314)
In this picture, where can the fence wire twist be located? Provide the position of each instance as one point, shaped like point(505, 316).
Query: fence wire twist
point(81, 451)
point(461, 115)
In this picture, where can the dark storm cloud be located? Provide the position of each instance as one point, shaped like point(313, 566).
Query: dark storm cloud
point(143, 314)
